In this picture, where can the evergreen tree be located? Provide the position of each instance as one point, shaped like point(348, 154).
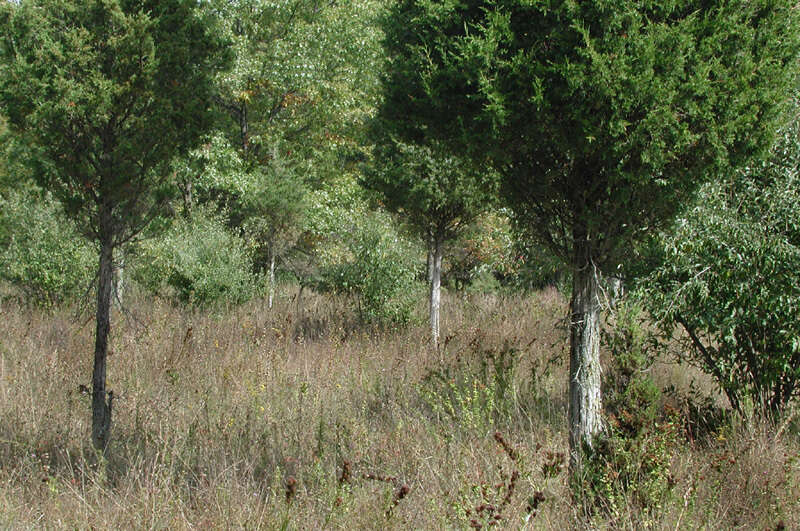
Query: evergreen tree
point(602, 118)
point(436, 192)
point(106, 93)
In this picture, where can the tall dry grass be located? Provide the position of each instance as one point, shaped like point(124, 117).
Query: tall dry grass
point(302, 418)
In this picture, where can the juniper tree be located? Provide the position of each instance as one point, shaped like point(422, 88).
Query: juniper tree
point(434, 191)
point(105, 93)
point(601, 117)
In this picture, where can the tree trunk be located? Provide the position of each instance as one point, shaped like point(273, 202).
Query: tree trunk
point(430, 261)
point(101, 408)
point(119, 279)
point(435, 251)
point(187, 193)
point(299, 299)
point(585, 402)
point(271, 278)
point(243, 128)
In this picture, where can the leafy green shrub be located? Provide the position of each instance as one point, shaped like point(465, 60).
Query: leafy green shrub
point(387, 278)
point(379, 270)
point(730, 277)
point(41, 251)
point(629, 466)
point(483, 258)
point(360, 252)
point(198, 261)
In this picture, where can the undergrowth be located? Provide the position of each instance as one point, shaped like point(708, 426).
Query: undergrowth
point(246, 420)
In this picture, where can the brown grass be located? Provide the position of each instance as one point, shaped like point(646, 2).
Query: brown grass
point(287, 419)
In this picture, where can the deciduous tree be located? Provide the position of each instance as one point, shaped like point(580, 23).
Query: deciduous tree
point(729, 276)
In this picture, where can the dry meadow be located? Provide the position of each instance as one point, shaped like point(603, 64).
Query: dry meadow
point(301, 417)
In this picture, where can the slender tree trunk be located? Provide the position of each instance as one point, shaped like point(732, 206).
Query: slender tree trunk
point(585, 402)
point(299, 299)
point(119, 279)
point(101, 407)
point(435, 251)
point(271, 278)
point(188, 201)
point(430, 261)
point(243, 128)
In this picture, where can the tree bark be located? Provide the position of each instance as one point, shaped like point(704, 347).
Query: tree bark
point(119, 279)
point(435, 263)
point(430, 261)
point(101, 407)
point(271, 278)
point(585, 401)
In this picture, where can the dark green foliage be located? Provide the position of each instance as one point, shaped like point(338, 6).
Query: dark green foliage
point(538, 265)
point(383, 273)
point(632, 399)
point(434, 191)
point(106, 94)
point(730, 278)
point(274, 209)
point(603, 117)
point(376, 268)
point(483, 258)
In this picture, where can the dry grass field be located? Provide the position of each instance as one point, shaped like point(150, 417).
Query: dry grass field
point(302, 418)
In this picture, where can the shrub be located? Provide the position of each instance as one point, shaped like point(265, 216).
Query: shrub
point(730, 277)
point(483, 258)
point(360, 252)
point(198, 261)
point(41, 251)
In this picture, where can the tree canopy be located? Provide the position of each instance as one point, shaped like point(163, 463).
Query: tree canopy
point(602, 118)
point(593, 111)
point(108, 93)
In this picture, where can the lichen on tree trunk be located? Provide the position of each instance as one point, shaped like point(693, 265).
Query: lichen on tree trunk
point(435, 263)
point(585, 401)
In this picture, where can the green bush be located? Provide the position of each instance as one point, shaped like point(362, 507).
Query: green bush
point(483, 258)
point(730, 278)
point(198, 261)
point(360, 252)
point(379, 269)
point(41, 251)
